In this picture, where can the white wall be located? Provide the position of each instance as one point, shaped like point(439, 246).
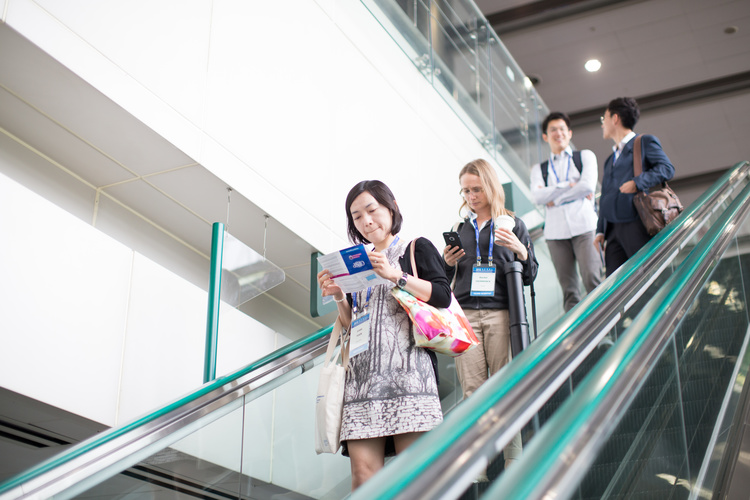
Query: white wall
point(96, 329)
point(291, 103)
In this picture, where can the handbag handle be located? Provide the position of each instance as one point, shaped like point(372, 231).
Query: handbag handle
point(336, 335)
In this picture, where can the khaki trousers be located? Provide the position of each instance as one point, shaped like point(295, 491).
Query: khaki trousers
point(492, 328)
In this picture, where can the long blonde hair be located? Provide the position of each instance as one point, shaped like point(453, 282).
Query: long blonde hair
point(491, 185)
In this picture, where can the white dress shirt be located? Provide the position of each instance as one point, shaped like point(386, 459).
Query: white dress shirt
point(617, 148)
point(572, 214)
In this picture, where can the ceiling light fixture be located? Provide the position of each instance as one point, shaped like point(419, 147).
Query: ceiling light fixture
point(592, 65)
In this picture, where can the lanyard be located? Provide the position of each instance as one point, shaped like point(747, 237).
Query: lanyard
point(367, 301)
point(567, 172)
point(369, 289)
point(492, 240)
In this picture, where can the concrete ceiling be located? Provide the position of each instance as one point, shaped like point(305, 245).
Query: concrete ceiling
point(687, 62)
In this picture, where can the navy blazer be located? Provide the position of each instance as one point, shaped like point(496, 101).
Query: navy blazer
point(617, 207)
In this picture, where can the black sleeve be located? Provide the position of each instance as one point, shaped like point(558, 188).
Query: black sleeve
point(530, 265)
point(429, 268)
point(448, 270)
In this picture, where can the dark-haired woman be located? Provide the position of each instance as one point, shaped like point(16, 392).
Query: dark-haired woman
point(391, 392)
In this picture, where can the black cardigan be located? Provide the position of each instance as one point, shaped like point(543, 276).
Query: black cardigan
point(430, 268)
point(500, 256)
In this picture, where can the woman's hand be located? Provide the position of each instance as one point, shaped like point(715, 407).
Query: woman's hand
point(452, 255)
point(382, 267)
point(329, 287)
point(508, 239)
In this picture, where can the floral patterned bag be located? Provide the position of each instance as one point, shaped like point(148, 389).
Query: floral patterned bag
point(443, 330)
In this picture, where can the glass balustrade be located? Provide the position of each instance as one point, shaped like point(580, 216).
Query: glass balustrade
point(662, 402)
point(660, 446)
point(495, 412)
point(459, 53)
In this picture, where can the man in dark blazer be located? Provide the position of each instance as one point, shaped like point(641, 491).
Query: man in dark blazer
point(620, 232)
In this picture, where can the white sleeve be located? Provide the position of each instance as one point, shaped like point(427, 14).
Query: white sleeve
point(540, 194)
point(586, 185)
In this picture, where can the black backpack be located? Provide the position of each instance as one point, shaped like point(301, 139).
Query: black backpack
point(576, 161)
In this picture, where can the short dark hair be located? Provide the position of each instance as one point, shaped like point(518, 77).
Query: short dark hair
point(627, 109)
point(555, 115)
point(383, 196)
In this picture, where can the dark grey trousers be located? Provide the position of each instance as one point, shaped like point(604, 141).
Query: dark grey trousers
point(565, 254)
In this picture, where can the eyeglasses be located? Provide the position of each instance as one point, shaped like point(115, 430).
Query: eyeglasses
point(601, 119)
point(475, 190)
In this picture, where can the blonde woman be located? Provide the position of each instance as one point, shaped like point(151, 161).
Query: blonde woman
point(480, 283)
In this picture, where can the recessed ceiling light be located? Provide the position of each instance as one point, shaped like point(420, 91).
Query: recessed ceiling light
point(731, 30)
point(592, 65)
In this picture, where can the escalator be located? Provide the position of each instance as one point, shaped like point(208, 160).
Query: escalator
point(661, 432)
point(230, 439)
point(661, 415)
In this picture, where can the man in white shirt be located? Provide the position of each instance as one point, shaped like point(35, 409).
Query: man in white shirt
point(565, 185)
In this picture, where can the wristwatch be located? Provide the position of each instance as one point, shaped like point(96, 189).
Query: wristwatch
point(401, 283)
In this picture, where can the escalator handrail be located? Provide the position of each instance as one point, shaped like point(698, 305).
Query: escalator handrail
point(560, 455)
point(446, 457)
point(226, 388)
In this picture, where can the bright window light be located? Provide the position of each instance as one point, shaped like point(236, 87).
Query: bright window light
point(592, 65)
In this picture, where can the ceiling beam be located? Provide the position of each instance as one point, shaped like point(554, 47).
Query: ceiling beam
point(672, 97)
point(542, 11)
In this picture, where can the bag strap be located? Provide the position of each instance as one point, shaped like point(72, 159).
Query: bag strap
point(413, 260)
point(577, 161)
point(533, 308)
point(637, 159)
point(545, 172)
point(337, 335)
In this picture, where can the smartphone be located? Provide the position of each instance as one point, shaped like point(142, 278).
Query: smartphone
point(452, 239)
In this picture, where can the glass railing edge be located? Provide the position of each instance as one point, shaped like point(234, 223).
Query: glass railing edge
point(116, 432)
point(604, 384)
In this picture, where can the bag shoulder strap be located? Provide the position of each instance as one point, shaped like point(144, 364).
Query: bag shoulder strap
point(577, 161)
point(413, 260)
point(637, 159)
point(338, 335)
point(545, 170)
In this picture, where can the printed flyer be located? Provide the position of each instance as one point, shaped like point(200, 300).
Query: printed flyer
point(351, 269)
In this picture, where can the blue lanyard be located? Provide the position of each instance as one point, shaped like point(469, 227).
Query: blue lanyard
point(492, 240)
point(567, 172)
point(369, 289)
point(367, 302)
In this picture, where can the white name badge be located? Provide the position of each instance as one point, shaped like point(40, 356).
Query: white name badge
point(360, 340)
point(483, 281)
